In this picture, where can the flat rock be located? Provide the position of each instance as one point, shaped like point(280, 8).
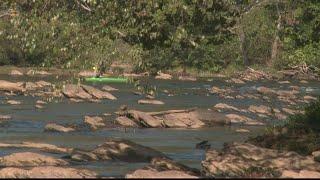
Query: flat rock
point(260, 109)
point(15, 73)
point(126, 122)
point(163, 76)
point(46, 172)
point(240, 119)
point(28, 159)
point(87, 74)
point(124, 150)
point(235, 158)
point(300, 174)
point(98, 93)
point(40, 146)
point(14, 102)
point(144, 119)
point(11, 87)
point(43, 83)
point(94, 122)
point(52, 127)
point(242, 131)
point(5, 117)
point(153, 173)
point(266, 90)
point(76, 92)
point(109, 88)
point(150, 101)
point(187, 78)
point(36, 72)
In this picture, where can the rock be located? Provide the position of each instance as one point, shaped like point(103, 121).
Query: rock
point(286, 93)
point(300, 174)
point(97, 93)
point(41, 146)
point(281, 116)
point(11, 87)
point(289, 111)
point(144, 119)
point(15, 73)
point(39, 106)
point(35, 72)
point(83, 156)
point(76, 92)
point(242, 131)
point(222, 106)
point(304, 82)
point(153, 173)
point(123, 150)
point(265, 90)
point(150, 101)
point(235, 158)
point(5, 117)
point(316, 156)
point(30, 86)
point(87, 74)
point(41, 102)
point(14, 102)
point(236, 81)
point(28, 159)
point(295, 88)
point(186, 78)
point(124, 121)
point(260, 109)
point(46, 172)
point(239, 119)
point(186, 120)
point(109, 88)
point(163, 76)
point(52, 127)
point(94, 122)
point(309, 98)
point(43, 83)
point(217, 90)
point(284, 82)
point(75, 100)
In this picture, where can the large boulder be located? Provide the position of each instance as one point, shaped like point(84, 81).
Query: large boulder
point(119, 149)
point(94, 122)
point(144, 119)
point(236, 158)
point(46, 172)
point(98, 94)
point(27, 159)
point(11, 87)
point(76, 92)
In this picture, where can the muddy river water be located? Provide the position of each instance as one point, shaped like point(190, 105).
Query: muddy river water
point(27, 123)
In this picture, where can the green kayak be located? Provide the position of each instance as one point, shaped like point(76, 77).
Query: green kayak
point(107, 79)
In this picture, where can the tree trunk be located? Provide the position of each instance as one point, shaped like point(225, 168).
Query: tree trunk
point(244, 47)
point(276, 42)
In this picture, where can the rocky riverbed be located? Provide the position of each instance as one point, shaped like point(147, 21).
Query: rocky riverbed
point(53, 126)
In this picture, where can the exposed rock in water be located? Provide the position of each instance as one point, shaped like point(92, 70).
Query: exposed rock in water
point(242, 131)
point(39, 106)
point(266, 90)
point(150, 101)
point(240, 119)
point(94, 122)
point(97, 93)
point(46, 172)
point(87, 74)
point(43, 83)
point(144, 119)
point(41, 102)
point(187, 78)
point(28, 159)
point(236, 158)
point(5, 117)
point(126, 122)
point(260, 109)
point(76, 92)
point(284, 82)
point(109, 88)
point(307, 98)
point(222, 106)
point(35, 72)
point(164, 168)
point(236, 81)
point(52, 127)
point(41, 146)
point(15, 73)
point(300, 174)
point(11, 87)
point(14, 102)
point(123, 150)
point(163, 76)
